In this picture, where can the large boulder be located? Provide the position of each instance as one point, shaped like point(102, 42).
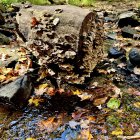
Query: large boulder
point(17, 92)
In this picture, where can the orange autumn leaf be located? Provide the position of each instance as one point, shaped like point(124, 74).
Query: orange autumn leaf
point(34, 21)
point(51, 124)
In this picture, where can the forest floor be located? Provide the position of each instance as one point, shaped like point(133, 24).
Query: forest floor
point(107, 107)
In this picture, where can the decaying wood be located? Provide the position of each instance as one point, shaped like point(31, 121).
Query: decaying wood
point(67, 39)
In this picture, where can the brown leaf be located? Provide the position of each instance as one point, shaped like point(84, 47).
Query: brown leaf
point(133, 91)
point(100, 101)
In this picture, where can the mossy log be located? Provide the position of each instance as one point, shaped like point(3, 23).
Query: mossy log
point(67, 38)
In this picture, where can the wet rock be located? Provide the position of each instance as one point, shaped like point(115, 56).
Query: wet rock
point(4, 40)
point(17, 92)
point(10, 52)
point(114, 52)
point(112, 36)
point(134, 56)
point(129, 32)
point(109, 19)
point(128, 18)
point(2, 21)
point(130, 67)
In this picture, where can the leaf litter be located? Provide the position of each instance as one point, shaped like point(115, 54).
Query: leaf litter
point(106, 108)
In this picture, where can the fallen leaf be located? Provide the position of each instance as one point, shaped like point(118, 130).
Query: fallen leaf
point(84, 124)
point(77, 92)
point(133, 91)
point(84, 96)
point(114, 103)
point(22, 59)
point(79, 113)
point(137, 104)
point(117, 91)
point(92, 118)
point(102, 71)
point(6, 71)
point(73, 124)
point(121, 65)
point(111, 70)
point(2, 78)
point(34, 21)
point(117, 132)
point(43, 73)
point(4, 57)
point(35, 101)
point(51, 124)
point(21, 68)
point(100, 101)
point(30, 139)
point(85, 135)
point(41, 89)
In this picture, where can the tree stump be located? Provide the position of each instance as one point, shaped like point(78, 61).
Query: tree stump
point(66, 39)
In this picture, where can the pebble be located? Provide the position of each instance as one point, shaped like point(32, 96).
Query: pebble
point(134, 56)
point(115, 53)
point(56, 21)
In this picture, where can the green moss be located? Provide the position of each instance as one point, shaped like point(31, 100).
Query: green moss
point(81, 2)
point(114, 120)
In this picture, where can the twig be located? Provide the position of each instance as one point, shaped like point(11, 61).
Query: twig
point(129, 137)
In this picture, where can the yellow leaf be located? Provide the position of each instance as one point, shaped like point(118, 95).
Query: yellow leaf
point(30, 139)
point(117, 132)
point(2, 78)
point(43, 73)
point(42, 86)
point(6, 70)
point(35, 101)
point(77, 92)
point(85, 96)
point(137, 104)
point(22, 59)
point(86, 135)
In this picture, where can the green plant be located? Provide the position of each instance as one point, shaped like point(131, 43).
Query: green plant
point(81, 2)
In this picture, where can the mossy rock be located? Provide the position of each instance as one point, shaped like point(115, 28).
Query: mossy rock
point(4, 40)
